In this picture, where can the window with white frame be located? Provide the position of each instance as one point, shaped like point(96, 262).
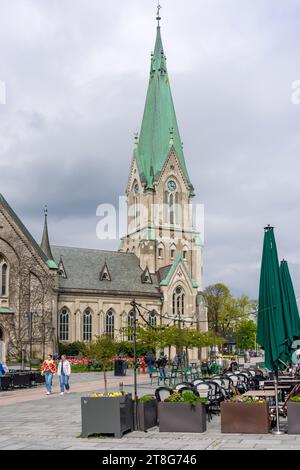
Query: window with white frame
point(152, 320)
point(87, 325)
point(110, 323)
point(64, 324)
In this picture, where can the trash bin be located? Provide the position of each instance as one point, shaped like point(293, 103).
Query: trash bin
point(120, 367)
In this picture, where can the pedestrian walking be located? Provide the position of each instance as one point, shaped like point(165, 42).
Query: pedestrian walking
point(64, 372)
point(48, 369)
point(150, 360)
point(161, 364)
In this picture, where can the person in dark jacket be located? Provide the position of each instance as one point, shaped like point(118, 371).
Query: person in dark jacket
point(161, 364)
point(150, 361)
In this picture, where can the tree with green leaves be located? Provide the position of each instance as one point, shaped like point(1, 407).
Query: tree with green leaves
point(103, 350)
point(245, 335)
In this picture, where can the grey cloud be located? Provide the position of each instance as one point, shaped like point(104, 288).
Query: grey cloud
point(76, 75)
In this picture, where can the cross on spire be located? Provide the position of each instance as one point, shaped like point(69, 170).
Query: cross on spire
point(158, 17)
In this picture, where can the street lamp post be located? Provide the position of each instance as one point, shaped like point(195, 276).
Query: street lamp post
point(133, 303)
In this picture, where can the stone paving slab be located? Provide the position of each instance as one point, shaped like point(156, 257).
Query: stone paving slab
point(55, 423)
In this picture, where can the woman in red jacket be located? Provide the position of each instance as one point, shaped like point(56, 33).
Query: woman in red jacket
point(48, 370)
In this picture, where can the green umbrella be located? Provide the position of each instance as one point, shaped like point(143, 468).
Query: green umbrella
point(278, 323)
point(271, 326)
point(292, 319)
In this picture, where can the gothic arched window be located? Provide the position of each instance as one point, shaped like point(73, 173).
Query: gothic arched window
point(178, 302)
point(3, 277)
point(136, 204)
point(172, 251)
point(130, 325)
point(87, 325)
point(172, 204)
point(110, 323)
point(64, 324)
point(152, 320)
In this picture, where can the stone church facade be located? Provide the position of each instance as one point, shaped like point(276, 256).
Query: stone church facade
point(76, 294)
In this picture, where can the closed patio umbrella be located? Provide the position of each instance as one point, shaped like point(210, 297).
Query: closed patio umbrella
point(271, 329)
point(277, 325)
point(292, 319)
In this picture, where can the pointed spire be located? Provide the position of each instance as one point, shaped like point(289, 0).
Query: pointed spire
point(159, 117)
point(45, 244)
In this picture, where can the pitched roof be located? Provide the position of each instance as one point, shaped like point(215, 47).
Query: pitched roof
point(156, 141)
point(22, 228)
point(84, 266)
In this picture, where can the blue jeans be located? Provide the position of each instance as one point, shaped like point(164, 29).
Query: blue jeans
point(64, 382)
point(48, 381)
point(162, 373)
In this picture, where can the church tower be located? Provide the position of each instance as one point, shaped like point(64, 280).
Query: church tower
point(159, 192)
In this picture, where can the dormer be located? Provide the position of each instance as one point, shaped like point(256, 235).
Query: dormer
point(61, 269)
point(146, 276)
point(104, 273)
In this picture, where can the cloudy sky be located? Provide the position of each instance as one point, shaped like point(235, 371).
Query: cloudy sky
point(76, 75)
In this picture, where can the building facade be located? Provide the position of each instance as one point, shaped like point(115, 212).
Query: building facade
point(51, 293)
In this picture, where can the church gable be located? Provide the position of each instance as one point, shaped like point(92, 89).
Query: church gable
point(179, 273)
point(172, 169)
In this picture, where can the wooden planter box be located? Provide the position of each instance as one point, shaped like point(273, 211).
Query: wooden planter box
point(105, 415)
point(293, 415)
point(146, 415)
point(245, 418)
point(181, 417)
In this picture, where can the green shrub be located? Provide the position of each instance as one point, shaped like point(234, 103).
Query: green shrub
point(192, 399)
point(146, 398)
point(186, 397)
point(72, 349)
point(173, 398)
point(295, 399)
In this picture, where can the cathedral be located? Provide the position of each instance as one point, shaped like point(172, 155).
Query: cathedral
point(51, 294)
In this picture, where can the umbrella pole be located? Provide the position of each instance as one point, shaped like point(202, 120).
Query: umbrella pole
point(277, 430)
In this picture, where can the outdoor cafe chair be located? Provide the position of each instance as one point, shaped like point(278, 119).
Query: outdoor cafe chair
point(181, 385)
point(161, 393)
point(188, 389)
point(217, 395)
point(198, 381)
point(234, 378)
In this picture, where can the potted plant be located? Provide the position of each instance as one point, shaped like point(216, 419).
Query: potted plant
point(146, 412)
point(106, 413)
point(102, 350)
point(182, 413)
point(110, 413)
point(245, 415)
point(293, 415)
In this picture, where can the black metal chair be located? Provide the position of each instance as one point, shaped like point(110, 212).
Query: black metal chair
point(161, 393)
point(5, 382)
point(188, 389)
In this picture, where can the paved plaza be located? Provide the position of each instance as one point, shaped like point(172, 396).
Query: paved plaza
point(32, 420)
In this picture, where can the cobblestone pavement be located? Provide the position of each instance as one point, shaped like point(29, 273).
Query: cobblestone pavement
point(32, 420)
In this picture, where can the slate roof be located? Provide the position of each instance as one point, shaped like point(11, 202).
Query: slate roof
point(163, 272)
point(83, 267)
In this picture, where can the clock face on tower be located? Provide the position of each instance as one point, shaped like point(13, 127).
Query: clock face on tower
point(171, 185)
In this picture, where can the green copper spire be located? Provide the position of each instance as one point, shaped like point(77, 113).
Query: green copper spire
point(159, 131)
point(45, 244)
